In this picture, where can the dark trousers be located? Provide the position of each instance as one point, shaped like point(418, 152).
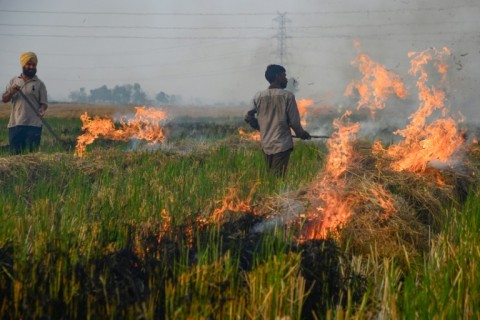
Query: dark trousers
point(277, 163)
point(22, 137)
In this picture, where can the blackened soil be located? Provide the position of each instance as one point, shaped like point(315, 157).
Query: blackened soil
point(124, 278)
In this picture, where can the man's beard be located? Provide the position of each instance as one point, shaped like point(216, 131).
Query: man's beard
point(29, 72)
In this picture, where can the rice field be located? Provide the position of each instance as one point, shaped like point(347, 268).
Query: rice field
point(195, 228)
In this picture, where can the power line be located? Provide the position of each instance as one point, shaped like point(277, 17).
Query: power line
point(363, 11)
point(377, 25)
point(312, 36)
point(331, 26)
point(129, 27)
point(134, 37)
point(383, 35)
point(383, 11)
point(109, 13)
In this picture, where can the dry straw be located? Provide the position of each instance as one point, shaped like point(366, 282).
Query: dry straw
point(419, 201)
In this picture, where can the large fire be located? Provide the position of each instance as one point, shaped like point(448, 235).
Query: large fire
point(146, 125)
point(423, 142)
point(430, 136)
point(336, 204)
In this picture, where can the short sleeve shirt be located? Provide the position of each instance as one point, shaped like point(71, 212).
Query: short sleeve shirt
point(22, 113)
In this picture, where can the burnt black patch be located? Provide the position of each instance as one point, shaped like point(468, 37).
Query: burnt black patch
point(118, 283)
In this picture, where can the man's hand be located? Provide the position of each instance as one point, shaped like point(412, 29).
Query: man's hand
point(13, 89)
point(42, 110)
point(7, 95)
point(251, 120)
point(305, 136)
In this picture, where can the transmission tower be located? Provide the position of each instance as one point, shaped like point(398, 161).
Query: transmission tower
point(282, 36)
point(282, 47)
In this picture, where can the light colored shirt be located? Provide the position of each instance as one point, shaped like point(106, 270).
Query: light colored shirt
point(36, 92)
point(276, 111)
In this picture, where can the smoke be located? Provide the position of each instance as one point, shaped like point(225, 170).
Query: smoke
point(288, 211)
point(452, 164)
point(189, 51)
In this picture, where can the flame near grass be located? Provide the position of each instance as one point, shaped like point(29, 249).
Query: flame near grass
point(146, 125)
point(334, 192)
point(423, 141)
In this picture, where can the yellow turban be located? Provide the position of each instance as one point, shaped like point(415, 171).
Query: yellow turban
point(27, 56)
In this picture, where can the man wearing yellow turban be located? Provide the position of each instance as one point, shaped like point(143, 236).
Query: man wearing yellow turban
point(25, 57)
point(25, 125)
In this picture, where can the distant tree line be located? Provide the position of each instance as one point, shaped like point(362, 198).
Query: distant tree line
point(124, 94)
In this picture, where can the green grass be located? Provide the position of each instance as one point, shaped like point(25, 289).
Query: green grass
point(85, 238)
point(449, 284)
point(67, 221)
point(445, 284)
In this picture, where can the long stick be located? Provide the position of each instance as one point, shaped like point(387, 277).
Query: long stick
point(315, 137)
point(45, 123)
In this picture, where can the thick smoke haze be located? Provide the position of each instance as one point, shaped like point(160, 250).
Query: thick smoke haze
point(216, 51)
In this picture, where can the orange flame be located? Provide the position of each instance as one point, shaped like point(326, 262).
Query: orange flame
point(233, 203)
point(166, 224)
point(145, 126)
point(336, 211)
point(303, 106)
point(337, 202)
point(255, 135)
point(337, 205)
point(340, 148)
point(385, 201)
point(424, 142)
point(376, 85)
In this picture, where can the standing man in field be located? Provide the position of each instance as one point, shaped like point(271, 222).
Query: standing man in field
point(25, 125)
point(274, 112)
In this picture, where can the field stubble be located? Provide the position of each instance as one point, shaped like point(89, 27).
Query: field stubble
point(128, 232)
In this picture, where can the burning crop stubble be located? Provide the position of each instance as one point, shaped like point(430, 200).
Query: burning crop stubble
point(130, 236)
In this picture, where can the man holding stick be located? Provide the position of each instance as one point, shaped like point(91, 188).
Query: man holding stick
point(274, 112)
point(29, 97)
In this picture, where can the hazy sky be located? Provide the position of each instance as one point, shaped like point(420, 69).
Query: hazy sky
point(217, 50)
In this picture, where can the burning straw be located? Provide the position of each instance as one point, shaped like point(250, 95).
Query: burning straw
point(146, 125)
point(390, 198)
